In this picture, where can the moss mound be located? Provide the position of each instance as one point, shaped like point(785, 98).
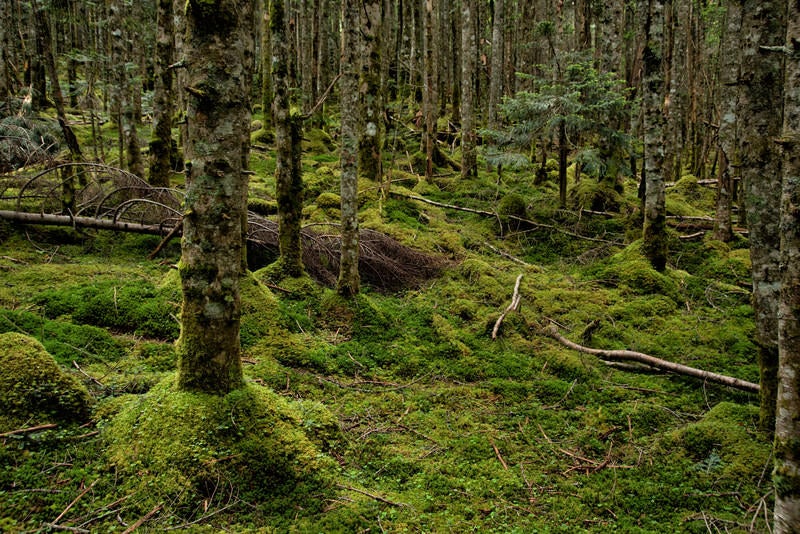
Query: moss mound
point(189, 449)
point(33, 388)
point(630, 271)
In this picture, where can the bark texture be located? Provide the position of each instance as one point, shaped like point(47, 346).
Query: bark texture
point(371, 92)
point(219, 50)
point(163, 108)
point(787, 423)
point(760, 100)
point(653, 93)
point(348, 283)
point(469, 65)
point(288, 137)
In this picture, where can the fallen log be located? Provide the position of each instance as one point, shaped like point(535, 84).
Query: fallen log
point(652, 361)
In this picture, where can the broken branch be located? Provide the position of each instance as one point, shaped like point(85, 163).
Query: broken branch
point(652, 361)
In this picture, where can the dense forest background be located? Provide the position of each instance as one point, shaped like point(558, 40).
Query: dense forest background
point(394, 217)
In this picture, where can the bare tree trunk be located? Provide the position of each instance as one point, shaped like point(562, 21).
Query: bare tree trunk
point(728, 120)
point(371, 94)
point(219, 49)
point(496, 76)
point(653, 93)
point(163, 107)
point(348, 282)
point(787, 423)
point(5, 50)
point(266, 66)
point(429, 93)
point(761, 90)
point(469, 65)
point(288, 138)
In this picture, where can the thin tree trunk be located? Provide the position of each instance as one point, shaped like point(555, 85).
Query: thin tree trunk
point(469, 65)
point(728, 120)
point(761, 85)
point(429, 93)
point(371, 92)
point(163, 107)
point(348, 282)
point(653, 93)
point(787, 424)
point(496, 75)
point(219, 44)
point(266, 66)
point(288, 138)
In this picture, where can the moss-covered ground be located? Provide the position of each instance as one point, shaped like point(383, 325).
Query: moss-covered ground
point(397, 412)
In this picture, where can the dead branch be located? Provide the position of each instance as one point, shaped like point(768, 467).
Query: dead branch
point(629, 355)
point(139, 522)
point(373, 496)
point(76, 499)
point(29, 429)
point(514, 306)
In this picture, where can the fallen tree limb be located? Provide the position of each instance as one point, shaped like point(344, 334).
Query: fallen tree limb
point(652, 361)
point(26, 430)
point(516, 298)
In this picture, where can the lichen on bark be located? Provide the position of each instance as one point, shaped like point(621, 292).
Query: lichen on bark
point(213, 253)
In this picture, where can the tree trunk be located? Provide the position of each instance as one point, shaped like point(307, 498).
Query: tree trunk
point(469, 66)
point(728, 120)
point(496, 74)
point(266, 66)
point(787, 424)
point(348, 282)
point(288, 138)
point(429, 93)
point(219, 50)
point(761, 88)
point(163, 107)
point(371, 94)
point(653, 93)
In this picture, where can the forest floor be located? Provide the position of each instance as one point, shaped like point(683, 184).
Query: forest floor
point(423, 421)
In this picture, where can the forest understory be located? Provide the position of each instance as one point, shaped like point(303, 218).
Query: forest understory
point(410, 408)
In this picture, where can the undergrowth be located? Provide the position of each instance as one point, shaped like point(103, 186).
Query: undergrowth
point(398, 412)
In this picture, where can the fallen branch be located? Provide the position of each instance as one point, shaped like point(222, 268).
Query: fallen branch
point(652, 361)
point(76, 499)
point(514, 306)
point(373, 496)
point(139, 522)
point(29, 429)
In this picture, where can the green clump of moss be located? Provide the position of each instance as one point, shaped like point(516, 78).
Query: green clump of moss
point(136, 306)
point(596, 196)
point(330, 203)
point(510, 209)
point(630, 271)
point(182, 447)
point(65, 341)
point(33, 388)
point(317, 141)
point(262, 206)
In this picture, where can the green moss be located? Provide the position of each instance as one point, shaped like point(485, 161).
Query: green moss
point(630, 271)
point(596, 195)
point(262, 136)
point(33, 388)
point(329, 202)
point(178, 447)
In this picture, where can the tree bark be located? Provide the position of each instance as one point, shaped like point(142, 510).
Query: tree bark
point(728, 92)
point(653, 94)
point(496, 74)
point(371, 94)
point(787, 424)
point(163, 107)
point(348, 282)
point(288, 138)
point(219, 49)
point(429, 93)
point(760, 100)
point(469, 65)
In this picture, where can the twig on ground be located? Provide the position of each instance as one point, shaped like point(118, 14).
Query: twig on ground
point(516, 298)
point(29, 429)
point(373, 496)
point(139, 522)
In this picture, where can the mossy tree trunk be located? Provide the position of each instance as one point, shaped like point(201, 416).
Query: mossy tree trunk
point(653, 93)
point(219, 52)
point(496, 79)
point(266, 66)
point(728, 120)
point(760, 101)
point(288, 138)
point(429, 90)
point(163, 107)
point(787, 422)
point(348, 282)
point(469, 65)
point(371, 92)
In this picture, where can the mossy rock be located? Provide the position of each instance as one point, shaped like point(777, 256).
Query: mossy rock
point(179, 447)
point(330, 203)
point(596, 196)
point(33, 388)
point(631, 271)
point(317, 141)
point(262, 206)
point(262, 136)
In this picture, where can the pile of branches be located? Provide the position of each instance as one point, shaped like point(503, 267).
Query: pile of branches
point(384, 263)
point(113, 199)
